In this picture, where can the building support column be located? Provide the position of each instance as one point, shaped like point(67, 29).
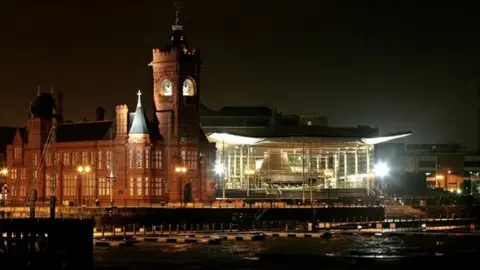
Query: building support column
point(242, 169)
point(345, 167)
point(235, 167)
point(335, 168)
point(368, 159)
point(229, 166)
point(356, 161)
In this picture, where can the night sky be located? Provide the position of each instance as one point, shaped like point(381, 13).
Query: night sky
point(397, 67)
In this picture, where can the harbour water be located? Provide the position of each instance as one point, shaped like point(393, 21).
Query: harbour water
point(339, 252)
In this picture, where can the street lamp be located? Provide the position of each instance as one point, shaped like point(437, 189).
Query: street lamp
point(111, 180)
point(181, 170)
point(82, 170)
point(4, 172)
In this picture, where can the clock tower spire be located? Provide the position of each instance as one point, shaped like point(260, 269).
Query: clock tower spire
point(176, 93)
point(178, 37)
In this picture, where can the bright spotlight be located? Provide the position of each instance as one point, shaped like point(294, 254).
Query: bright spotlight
point(219, 169)
point(381, 169)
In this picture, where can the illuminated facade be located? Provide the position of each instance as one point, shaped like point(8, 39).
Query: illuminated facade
point(129, 161)
point(293, 167)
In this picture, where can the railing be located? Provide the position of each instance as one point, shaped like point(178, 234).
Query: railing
point(238, 204)
point(196, 228)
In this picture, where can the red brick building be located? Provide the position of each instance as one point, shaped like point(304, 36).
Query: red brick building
point(131, 160)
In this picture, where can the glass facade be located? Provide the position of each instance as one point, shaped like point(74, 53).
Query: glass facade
point(289, 165)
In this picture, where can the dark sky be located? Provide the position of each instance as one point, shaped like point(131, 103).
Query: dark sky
point(394, 66)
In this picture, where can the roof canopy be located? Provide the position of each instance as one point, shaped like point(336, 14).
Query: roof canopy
point(345, 141)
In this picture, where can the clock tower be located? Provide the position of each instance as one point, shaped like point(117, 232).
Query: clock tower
point(176, 94)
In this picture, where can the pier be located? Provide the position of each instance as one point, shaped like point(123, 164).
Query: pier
point(46, 243)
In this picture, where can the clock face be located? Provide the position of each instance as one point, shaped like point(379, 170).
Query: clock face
point(188, 88)
point(167, 88)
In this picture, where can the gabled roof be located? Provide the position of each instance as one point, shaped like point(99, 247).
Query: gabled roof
point(84, 131)
point(7, 134)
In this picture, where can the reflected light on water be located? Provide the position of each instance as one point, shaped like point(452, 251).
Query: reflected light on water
point(281, 251)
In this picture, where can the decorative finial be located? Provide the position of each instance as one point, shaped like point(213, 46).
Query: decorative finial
point(139, 94)
point(176, 4)
point(177, 26)
point(38, 90)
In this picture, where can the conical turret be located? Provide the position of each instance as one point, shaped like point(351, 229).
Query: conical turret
point(139, 125)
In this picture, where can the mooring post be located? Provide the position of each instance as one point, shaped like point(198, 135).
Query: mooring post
point(198, 227)
point(134, 230)
point(221, 226)
point(124, 230)
point(153, 229)
point(169, 228)
point(178, 228)
point(191, 227)
point(103, 230)
point(230, 226)
point(213, 226)
point(144, 230)
point(185, 227)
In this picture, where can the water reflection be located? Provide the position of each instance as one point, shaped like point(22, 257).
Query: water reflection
point(280, 253)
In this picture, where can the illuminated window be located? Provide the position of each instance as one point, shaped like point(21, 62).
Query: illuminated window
point(139, 158)
point(131, 158)
point(132, 186)
point(49, 180)
point(75, 156)
point(93, 158)
point(191, 162)
point(100, 160)
point(146, 186)
point(108, 155)
point(157, 159)
point(69, 185)
point(139, 186)
point(103, 187)
point(147, 158)
point(66, 158)
point(13, 174)
point(18, 153)
point(184, 156)
point(157, 186)
point(88, 185)
point(84, 157)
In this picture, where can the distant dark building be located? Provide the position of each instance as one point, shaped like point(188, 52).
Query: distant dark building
point(264, 121)
point(414, 184)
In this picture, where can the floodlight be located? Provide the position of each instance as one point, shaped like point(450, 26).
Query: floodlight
point(381, 170)
point(219, 169)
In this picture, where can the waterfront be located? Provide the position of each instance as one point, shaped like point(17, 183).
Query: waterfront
point(284, 253)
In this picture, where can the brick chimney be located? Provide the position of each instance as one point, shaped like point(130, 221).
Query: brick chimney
point(100, 112)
